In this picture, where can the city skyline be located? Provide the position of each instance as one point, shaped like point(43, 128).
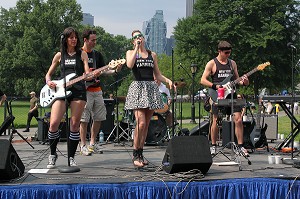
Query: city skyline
point(120, 17)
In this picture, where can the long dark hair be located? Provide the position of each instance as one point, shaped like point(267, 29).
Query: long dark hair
point(66, 34)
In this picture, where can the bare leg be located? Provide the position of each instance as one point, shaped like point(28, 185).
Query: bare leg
point(214, 130)
point(239, 128)
point(83, 132)
point(94, 131)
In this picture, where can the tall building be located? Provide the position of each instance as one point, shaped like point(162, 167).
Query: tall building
point(170, 45)
point(155, 31)
point(88, 19)
point(190, 7)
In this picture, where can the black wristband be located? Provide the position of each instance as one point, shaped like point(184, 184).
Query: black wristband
point(214, 86)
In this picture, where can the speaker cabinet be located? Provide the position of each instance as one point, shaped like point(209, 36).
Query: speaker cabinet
point(226, 133)
point(43, 128)
point(272, 121)
point(108, 124)
point(203, 130)
point(185, 153)
point(11, 165)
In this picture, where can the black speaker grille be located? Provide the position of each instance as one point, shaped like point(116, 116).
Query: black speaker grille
point(185, 153)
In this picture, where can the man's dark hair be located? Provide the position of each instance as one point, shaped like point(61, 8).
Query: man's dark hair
point(86, 34)
point(224, 45)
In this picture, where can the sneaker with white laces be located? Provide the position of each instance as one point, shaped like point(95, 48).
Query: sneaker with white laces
point(244, 151)
point(94, 148)
point(72, 162)
point(213, 150)
point(84, 151)
point(51, 161)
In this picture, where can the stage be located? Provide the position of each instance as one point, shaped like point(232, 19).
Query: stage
point(112, 175)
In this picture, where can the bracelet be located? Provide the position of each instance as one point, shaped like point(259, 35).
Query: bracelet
point(214, 86)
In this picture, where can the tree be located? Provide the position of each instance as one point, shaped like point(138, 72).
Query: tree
point(32, 36)
point(258, 30)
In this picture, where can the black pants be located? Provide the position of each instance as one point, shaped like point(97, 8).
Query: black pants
point(35, 114)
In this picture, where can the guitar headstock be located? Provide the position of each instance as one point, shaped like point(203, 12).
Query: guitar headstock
point(114, 63)
point(263, 66)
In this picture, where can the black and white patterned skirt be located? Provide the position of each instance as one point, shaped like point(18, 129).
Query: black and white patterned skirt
point(143, 94)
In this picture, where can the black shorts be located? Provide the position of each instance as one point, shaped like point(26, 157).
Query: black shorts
point(77, 94)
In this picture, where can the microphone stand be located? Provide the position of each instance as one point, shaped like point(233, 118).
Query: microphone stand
point(180, 104)
point(67, 169)
point(192, 93)
point(117, 126)
point(293, 99)
point(173, 94)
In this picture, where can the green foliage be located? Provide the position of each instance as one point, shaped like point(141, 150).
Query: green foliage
point(258, 31)
point(32, 36)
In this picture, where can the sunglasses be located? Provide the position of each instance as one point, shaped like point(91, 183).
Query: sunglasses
point(227, 52)
point(137, 36)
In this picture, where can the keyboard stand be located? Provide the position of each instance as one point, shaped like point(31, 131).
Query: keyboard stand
point(295, 130)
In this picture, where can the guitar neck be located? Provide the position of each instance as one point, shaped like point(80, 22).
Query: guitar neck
point(78, 79)
point(247, 74)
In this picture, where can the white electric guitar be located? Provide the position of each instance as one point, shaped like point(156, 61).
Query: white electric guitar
point(230, 85)
point(49, 95)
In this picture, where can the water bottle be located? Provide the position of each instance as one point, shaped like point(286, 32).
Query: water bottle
point(101, 137)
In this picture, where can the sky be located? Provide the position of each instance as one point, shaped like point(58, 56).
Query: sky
point(120, 17)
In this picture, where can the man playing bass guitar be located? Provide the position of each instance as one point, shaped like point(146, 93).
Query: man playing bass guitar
point(218, 69)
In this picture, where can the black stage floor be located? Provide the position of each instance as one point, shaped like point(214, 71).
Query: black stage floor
point(115, 166)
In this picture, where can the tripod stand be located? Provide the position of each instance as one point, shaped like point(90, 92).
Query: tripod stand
point(117, 126)
point(9, 110)
point(236, 151)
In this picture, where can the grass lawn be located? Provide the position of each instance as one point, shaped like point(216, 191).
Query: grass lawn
point(20, 111)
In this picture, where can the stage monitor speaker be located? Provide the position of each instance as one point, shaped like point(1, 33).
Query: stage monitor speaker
point(185, 153)
point(203, 130)
point(226, 133)
point(11, 166)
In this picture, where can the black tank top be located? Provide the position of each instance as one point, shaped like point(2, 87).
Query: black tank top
point(143, 68)
point(222, 71)
point(73, 64)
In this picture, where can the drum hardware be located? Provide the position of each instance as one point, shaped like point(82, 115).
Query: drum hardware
point(157, 130)
point(117, 126)
point(181, 85)
point(164, 98)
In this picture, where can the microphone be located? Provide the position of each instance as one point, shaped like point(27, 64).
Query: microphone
point(290, 45)
point(62, 37)
point(179, 66)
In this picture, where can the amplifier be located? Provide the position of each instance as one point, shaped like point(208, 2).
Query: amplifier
point(226, 133)
point(43, 127)
point(272, 121)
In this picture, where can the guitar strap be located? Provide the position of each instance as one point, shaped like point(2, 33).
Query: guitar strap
point(94, 60)
point(230, 64)
point(232, 71)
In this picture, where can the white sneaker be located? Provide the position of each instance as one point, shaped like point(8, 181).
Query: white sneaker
point(84, 151)
point(72, 162)
point(213, 150)
point(51, 161)
point(94, 148)
point(244, 151)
